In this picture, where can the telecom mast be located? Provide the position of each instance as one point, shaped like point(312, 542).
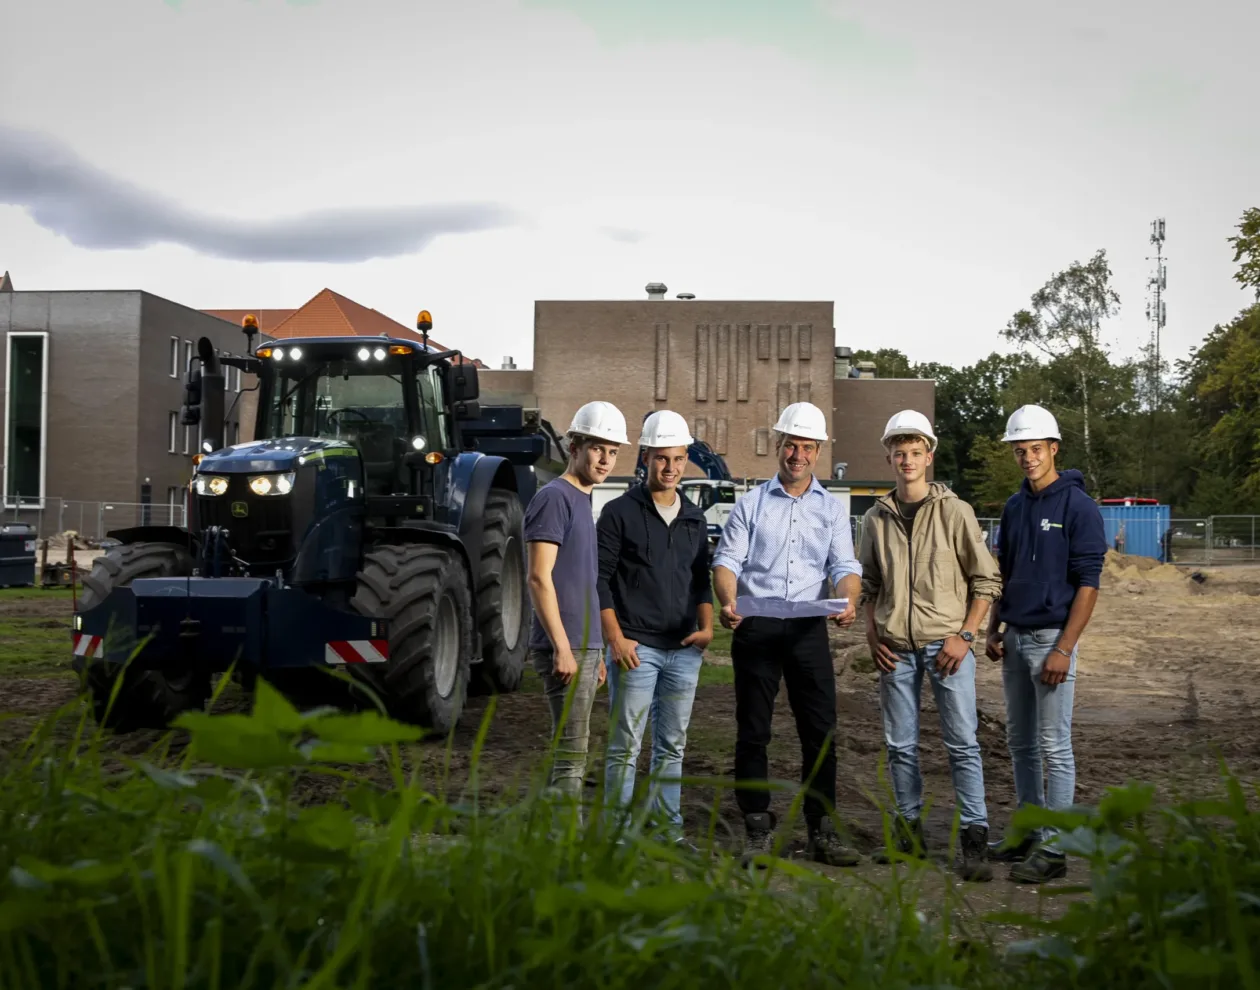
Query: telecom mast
point(1156, 312)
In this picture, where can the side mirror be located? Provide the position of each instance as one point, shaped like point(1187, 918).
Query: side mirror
point(190, 411)
point(466, 410)
point(461, 383)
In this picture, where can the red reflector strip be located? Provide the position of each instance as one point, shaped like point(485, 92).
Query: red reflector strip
point(88, 646)
point(356, 651)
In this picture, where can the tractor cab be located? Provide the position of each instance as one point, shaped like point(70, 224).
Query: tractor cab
point(383, 398)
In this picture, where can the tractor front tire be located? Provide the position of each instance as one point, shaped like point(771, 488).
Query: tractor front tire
point(503, 608)
point(425, 593)
point(147, 698)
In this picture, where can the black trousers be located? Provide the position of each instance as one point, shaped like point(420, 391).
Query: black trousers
point(763, 652)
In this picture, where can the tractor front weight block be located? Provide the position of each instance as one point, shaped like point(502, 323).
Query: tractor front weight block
point(212, 623)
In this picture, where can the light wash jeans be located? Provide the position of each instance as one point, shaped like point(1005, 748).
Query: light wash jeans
point(664, 686)
point(1039, 721)
point(568, 771)
point(955, 695)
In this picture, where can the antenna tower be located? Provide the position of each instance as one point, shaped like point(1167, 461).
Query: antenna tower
point(1156, 311)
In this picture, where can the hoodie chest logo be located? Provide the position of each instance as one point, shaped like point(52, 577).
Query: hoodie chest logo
point(1047, 525)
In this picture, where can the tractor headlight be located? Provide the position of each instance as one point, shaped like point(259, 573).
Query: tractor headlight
point(271, 484)
point(210, 484)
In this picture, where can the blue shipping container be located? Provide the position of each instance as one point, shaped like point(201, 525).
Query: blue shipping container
point(1143, 528)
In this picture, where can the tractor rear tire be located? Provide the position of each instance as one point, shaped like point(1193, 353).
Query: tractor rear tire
point(503, 608)
point(425, 593)
point(147, 699)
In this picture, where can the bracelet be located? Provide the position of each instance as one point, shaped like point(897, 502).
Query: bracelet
point(1059, 649)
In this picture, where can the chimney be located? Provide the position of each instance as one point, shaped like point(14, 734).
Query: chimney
point(508, 364)
point(865, 369)
point(656, 290)
point(844, 358)
point(686, 295)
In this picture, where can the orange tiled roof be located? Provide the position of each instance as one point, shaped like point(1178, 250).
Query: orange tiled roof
point(330, 314)
point(268, 319)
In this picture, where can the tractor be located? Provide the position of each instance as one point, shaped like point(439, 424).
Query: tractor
point(371, 529)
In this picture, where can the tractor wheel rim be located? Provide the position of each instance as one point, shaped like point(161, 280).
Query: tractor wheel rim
point(446, 647)
point(513, 589)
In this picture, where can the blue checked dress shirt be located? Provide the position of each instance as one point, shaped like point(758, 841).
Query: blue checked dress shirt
point(787, 548)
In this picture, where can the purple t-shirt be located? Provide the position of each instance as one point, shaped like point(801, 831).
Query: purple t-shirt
point(561, 513)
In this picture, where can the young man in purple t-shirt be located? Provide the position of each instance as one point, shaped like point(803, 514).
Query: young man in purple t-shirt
point(566, 641)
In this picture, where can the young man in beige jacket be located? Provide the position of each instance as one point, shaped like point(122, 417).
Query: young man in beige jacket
point(927, 581)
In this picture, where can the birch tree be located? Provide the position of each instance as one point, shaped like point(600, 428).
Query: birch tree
point(1064, 322)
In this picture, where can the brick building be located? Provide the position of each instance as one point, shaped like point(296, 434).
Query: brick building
point(727, 366)
point(89, 412)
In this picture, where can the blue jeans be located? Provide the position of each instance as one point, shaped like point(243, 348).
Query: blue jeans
point(1038, 721)
point(664, 686)
point(955, 695)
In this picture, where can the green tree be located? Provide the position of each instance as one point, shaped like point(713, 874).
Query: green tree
point(995, 476)
point(889, 362)
point(1065, 324)
point(1246, 244)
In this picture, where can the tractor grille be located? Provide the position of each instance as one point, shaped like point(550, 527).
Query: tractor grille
point(264, 535)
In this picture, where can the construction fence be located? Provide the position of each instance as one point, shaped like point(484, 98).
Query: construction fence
point(1211, 540)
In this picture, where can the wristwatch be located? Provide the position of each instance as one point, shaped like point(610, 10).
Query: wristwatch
point(967, 637)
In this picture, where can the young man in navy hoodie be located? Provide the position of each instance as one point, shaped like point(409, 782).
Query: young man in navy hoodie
point(1051, 551)
point(656, 610)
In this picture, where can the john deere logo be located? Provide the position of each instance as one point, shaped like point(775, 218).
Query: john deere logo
point(240, 509)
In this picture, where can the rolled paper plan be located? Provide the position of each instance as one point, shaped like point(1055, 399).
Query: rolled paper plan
point(777, 608)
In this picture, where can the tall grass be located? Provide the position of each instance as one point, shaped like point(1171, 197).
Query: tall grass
point(203, 870)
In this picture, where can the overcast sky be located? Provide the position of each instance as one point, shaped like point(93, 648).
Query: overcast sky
point(926, 166)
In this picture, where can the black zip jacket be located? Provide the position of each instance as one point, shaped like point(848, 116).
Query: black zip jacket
point(653, 576)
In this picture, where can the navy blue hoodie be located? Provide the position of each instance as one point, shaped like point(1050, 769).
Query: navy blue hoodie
point(1050, 543)
point(652, 575)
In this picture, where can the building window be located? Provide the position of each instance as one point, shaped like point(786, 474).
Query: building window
point(174, 357)
point(188, 354)
point(175, 505)
point(26, 417)
point(174, 432)
point(187, 439)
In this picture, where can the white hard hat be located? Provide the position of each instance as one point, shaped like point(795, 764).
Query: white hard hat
point(802, 419)
point(601, 421)
point(1031, 423)
point(909, 422)
point(665, 428)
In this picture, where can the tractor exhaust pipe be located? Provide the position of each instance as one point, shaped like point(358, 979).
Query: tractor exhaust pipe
point(212, 396)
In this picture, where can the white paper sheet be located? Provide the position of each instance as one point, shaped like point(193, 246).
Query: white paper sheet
point(777, 608)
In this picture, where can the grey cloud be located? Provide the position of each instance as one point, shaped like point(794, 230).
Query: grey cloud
point(92, 209)
point(625, 235)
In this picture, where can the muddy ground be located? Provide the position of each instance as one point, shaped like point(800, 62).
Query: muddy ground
point(1166, 688)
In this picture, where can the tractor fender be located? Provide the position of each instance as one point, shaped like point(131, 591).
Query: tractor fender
point(472, 477)
point(153, 534)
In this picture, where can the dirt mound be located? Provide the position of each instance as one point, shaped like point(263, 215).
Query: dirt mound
point(1134, 574)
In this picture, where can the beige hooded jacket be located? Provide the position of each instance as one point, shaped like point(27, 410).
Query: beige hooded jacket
point(921, 591)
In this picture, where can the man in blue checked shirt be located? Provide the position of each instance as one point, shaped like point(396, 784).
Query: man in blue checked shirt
point(788, 539)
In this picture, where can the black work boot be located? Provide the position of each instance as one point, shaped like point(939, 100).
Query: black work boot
point(907, 837)
point(1000, 852)
point(1041, 866)
point(825, 845)
point(973, 850)
point(759, 837)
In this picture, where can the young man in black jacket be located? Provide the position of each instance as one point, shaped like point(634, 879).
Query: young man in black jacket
point(656, 611)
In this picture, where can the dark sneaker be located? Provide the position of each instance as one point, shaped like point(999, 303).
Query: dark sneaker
point(1040, 867)
point(825, 846)
point(908, 838)
point(1000, 852)
point(759, 837)
point(973, 850)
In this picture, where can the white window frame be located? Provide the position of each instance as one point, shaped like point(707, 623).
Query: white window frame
point(188, 355)
point(172, 433)
point(187, 439)
point(174, 357)
point(43, 420)
point(174, 501)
